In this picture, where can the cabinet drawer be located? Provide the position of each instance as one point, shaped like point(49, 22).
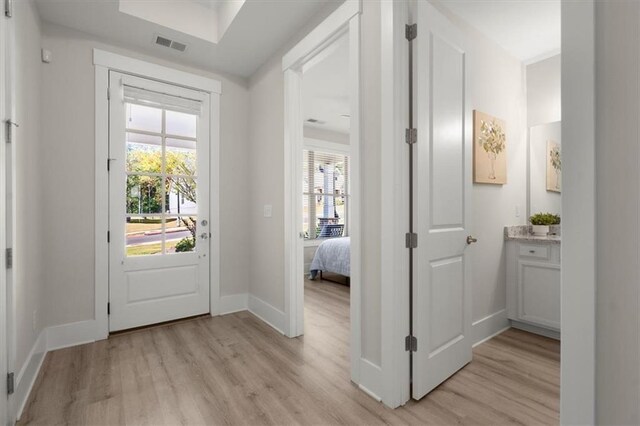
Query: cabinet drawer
point(535, 251)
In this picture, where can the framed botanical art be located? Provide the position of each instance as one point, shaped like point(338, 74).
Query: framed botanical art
point(489, 149)
point(554, 166)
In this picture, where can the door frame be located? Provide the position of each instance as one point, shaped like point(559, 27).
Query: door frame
point(344, 20)
point(104, 62)
point(578, 283)
point(6, 315)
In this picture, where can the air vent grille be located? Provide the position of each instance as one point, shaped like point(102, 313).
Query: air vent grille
point(178, 46)
point(172, 44)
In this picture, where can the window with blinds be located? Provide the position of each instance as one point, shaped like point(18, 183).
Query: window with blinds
point(326, 194)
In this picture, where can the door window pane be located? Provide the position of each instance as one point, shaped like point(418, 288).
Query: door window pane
point(181, 124)
point(181, 157)
point(182, 237)
point(181, 196)
point(144, 153)
point(144, 118)
point(144, 194)
point(143, 235)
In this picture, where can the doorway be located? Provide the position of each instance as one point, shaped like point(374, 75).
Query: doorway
point(157, 198)
point(159, 173)
point(322, 169)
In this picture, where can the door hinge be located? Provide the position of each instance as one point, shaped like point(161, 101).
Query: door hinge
point(411, 344)
point(108, 236)
point(9, 258)
point(8, 8)
point(108, 308)
point(411, 240)
point(10, 384)
point(411, 136)
point(9, 125)
point(108, 93)
point(411, 31)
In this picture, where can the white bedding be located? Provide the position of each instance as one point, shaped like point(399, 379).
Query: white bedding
point(333, 255)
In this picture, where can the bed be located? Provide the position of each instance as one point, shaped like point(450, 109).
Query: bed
point(333, 255)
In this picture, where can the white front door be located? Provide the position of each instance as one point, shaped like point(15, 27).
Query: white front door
point(158, 202)
point(442, 194)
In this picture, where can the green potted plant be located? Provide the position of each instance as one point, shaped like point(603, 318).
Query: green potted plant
point(540, 223)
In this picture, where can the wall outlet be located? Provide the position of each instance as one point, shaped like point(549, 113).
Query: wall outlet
point(268, 210)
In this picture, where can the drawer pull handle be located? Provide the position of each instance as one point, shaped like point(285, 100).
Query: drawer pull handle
point(532, 251)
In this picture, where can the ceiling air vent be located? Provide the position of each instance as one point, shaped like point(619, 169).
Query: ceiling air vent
point(176, 45)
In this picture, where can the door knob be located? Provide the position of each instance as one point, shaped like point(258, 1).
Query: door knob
point(204, 235)
point(471, 240)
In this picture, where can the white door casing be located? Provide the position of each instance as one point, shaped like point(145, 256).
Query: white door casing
point(155, 288)
point(442, 203)
point(4, 349)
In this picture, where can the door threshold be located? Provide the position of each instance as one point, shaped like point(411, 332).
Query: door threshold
point(157, 325)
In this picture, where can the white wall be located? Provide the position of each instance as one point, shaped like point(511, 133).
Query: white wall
point(68, 186)
point(617, 212)
point(543, 91)
point(30, 222)
point(497, 87)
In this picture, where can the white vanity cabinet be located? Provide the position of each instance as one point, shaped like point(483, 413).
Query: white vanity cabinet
point(533, 285)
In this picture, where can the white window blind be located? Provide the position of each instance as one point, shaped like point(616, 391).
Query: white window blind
point(326, 194)
point(135, 95)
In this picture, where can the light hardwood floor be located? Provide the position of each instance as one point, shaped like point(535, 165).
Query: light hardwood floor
point(236, 370)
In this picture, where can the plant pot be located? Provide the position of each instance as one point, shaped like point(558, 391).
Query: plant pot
point(540, 230)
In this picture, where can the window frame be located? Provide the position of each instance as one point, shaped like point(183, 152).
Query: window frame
point(312, 144)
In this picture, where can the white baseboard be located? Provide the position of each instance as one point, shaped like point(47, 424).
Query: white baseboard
point(29, 373)
point(489, 326)
point(370, 379)
point(234, 303)
point(536, 330)
point(267, 313)
point(72, 334)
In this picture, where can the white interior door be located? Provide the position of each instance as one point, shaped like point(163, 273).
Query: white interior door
point(158, 202)
point(442, 201)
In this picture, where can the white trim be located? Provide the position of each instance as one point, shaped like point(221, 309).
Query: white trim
point(488, 327)
point(394, 257)
point(115, 62)
point(5, 412)
point(326, 146)
point(214, 204)
point(267, 313)
point(553, 334)
point(371, 379)
point(542, 57)
point(101, 202)
point(234, 303)
point(579, 236)
point(322, 35)
point(346, 19)
point(28, 374)
point(104, 62)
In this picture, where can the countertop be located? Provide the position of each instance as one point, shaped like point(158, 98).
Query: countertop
point(522, 233)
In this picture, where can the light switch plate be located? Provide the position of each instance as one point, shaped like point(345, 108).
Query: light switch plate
point(268, 210)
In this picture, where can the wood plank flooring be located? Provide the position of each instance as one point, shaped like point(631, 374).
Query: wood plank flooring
point(236, 370)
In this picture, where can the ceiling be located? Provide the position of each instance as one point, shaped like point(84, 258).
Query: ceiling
point(258, 30)
point(325, 89)
point(528, 29)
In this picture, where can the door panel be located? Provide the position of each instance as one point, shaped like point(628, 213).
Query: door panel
point(158, 202)
point(442, 190)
